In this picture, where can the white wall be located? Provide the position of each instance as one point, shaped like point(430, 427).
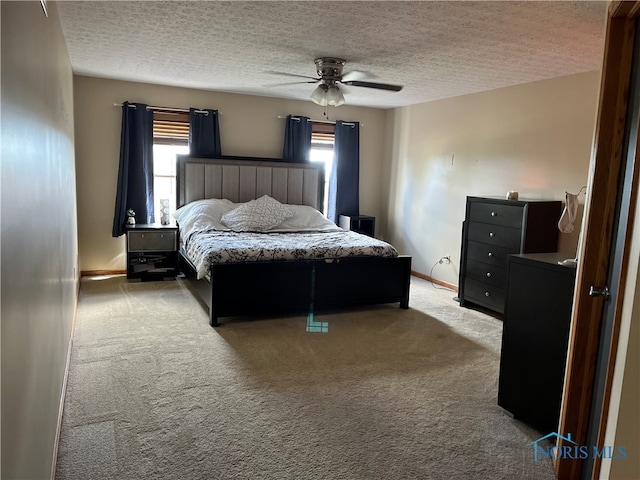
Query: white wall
point(248, 127)
point(39, 234)
point(534, 138)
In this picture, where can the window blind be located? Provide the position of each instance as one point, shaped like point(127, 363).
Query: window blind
point(170, 128)
point(323, 135)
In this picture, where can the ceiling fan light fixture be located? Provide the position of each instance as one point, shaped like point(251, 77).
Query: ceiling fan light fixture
point(334, 96)
point(329, 70)
point(319, 95)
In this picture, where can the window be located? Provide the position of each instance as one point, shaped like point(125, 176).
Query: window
point(170, 138)
point(322, 141)
point(164, 174)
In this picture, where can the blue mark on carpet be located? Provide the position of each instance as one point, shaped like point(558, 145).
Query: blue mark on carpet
point(312, 325)
point(318, 327)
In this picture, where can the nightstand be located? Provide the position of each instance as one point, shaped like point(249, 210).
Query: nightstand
point(358, 223)
point(152, 251)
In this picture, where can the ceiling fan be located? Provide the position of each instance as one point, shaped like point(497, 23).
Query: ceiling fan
point(329, 71)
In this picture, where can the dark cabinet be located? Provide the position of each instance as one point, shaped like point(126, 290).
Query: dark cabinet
point(535, 338)
point(493, 229)
point(152, 251)
point(358, 223)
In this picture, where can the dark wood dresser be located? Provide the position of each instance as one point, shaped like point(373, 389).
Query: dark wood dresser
point(535, 338)
point(493, 229)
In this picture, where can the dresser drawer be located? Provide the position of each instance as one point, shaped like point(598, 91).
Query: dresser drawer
point(484, 294)
point(495, 235)
point(486, 273)
point(151, 241)
point(495, 214)
point(487, 253)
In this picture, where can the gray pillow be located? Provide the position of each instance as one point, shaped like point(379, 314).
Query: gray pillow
point(257, 215)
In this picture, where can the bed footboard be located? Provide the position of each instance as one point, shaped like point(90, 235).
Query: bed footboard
point(259, 288)
point(292, 287)
point(362, 281)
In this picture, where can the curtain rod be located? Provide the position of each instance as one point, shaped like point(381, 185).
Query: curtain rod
point(350, 124)
point(166, 109)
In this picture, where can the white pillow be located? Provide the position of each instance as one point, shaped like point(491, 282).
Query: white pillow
point(257, 215)
point(306, 219)
point(202, 215)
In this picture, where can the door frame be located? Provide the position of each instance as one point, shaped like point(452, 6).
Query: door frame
point(593, 264)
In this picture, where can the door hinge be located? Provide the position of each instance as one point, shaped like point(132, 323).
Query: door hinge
point(599, 292)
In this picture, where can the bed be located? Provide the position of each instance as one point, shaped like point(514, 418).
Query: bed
point(237, 284)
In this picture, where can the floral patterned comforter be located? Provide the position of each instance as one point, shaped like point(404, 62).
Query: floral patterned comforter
point(208, 247)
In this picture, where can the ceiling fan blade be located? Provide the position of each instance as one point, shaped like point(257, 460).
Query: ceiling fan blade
point(273, 72)
point(355, 75)
point(288, 83)
point(379, 86)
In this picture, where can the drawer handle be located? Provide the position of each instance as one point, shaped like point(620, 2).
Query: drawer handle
point(494, 214)
point(491, 234)
point(487, 294)
point(488, 274)
point(490, 254)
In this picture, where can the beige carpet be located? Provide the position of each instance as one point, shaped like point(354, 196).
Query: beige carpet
point(155, 392)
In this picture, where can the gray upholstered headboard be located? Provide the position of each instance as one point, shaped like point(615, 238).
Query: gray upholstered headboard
point(242, 179)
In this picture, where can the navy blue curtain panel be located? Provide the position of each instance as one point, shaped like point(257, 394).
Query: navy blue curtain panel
point(135, 173)
point(204, 133)
point(345, 176)
point(297, 139)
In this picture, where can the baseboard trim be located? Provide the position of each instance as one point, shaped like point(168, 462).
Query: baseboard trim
point(93, 273)
point(56, 443)
point(448, 285)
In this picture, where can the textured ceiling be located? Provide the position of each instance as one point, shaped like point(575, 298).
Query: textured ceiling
point(435, 49)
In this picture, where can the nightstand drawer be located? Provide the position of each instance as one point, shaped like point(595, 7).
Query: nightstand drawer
point(495, 235)
point(151, 241)
point(495, 214)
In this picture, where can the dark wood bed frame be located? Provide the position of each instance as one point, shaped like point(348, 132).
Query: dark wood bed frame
point(300, 286)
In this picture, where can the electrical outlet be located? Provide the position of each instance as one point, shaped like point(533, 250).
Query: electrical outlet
point(446, 260)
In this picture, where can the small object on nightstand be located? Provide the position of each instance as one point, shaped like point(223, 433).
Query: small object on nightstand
point(164, 211)
point(512, 195)
point(152, 251)
point(364, 224)
point(131, 217)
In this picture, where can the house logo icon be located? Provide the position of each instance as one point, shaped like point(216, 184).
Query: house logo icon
point(537, 448)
